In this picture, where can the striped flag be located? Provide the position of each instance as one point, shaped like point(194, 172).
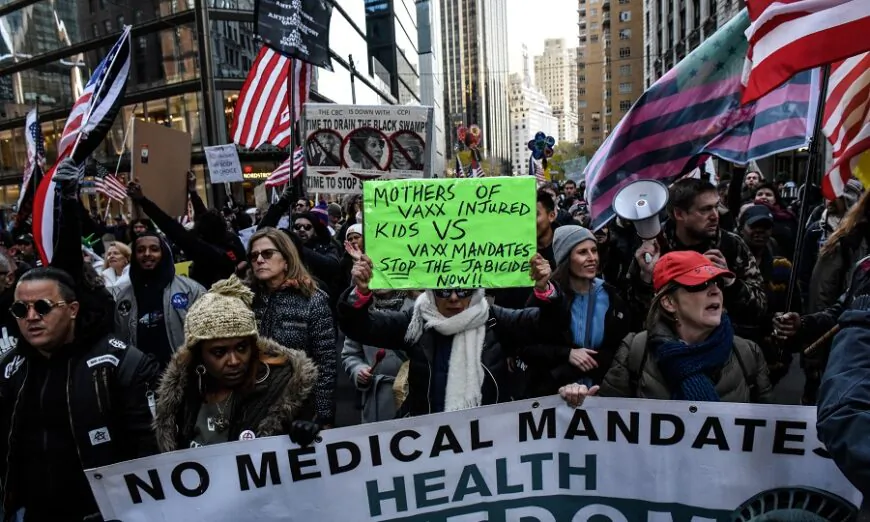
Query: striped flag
point(294, 165)
point(87, 125)
point(262, 113)
point(460, 172)
point(847, 124)
point(476, 169)
point(789, 36)
point(34, 163)
point(693, 110)
point(108, 184)
point(539, 174)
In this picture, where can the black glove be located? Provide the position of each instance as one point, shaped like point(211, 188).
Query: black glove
point(66, 176)
point(303, 432)
point(289, 193)
point(858, 294)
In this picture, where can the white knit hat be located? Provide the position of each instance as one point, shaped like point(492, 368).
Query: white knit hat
point(223, 312)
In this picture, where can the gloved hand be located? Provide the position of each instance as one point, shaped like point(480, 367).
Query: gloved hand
point(303, 432)
point(289, 193)
point(66, 176)
point(858, 294)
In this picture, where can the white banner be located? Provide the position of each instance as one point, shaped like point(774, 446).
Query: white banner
point(623, 460)
point(348, 144)
point(223, 164)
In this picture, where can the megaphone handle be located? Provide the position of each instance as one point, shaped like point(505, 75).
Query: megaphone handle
point(647, 257)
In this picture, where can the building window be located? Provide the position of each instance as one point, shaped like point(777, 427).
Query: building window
point(624, 105)
point(593, 12)
point(581, 104)
point(594, 38)
point(625, 70)
point(582, 141)
point(596, 142)
point(625, 88)
point(625, 34)
point(107, 24)
point(95, 29)
point(581, 91)
point(581, 78)
point(625, 16)
point(623, 2)
point(624, 52)
point(582, 129)
point(137, 16)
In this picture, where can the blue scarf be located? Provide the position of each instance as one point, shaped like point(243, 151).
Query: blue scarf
point(689, 365)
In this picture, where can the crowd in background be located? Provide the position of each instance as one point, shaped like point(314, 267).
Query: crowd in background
point(112, 355)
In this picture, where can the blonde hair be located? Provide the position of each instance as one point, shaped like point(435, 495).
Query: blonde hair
point(855, 215)
point(657, 313)
point(122, 248)
point(297, 275)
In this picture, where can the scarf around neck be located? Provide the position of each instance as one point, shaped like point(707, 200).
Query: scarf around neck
point(687, 367)
point(465, 369)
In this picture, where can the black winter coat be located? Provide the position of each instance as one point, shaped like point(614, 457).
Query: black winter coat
point(110, 387)
point(387, 330)
point(547, 364)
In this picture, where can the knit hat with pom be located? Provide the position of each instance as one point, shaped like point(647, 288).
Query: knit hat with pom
point(223, 312)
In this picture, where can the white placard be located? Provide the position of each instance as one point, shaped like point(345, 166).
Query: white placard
point(223, 164)
point(624, 460)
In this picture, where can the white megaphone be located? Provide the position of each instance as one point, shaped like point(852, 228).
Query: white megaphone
point(640, 202)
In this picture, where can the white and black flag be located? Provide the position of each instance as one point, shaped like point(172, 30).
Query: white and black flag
point(296, 28)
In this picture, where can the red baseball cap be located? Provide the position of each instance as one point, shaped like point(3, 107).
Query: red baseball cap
point(687, 268)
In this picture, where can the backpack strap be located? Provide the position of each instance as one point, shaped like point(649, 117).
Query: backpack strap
point(636, 361)
point(750, 380)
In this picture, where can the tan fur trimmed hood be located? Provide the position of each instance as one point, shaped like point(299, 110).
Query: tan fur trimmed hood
point(171, 398)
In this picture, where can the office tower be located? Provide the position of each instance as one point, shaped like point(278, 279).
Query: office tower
point(530, 113)
point(431, 84)
point(391, 27)
point(475, 64)
point(553, 71)
point(610, 68)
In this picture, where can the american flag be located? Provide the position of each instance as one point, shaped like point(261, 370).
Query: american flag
point(476, 170)
point(294, 164)
point(789, 36)
point(87, 125)
point(460, 172)
point(847, 123)
point(34, 164)
point(108, 184)
point(536, 170)
point(262, 113)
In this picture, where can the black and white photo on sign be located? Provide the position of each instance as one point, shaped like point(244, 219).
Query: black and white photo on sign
point(323, 149)
point(367, 148)
point(408, 150)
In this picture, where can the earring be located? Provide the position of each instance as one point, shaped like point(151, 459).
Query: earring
point(200, 371)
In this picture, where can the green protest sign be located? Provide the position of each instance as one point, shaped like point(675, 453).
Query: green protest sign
point(450, 233)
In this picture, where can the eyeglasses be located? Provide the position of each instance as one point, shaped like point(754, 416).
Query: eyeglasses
point(447, 292)
point(267, 254)
point(703, 286)
point(43, 307)
point(303, 227)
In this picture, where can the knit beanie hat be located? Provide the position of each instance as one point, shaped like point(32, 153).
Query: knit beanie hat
point(566, 237)
point(223, 312)
point(321, 213)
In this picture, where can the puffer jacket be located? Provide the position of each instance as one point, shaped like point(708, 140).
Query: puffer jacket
point(843, 416)
point(635, 372)
point(302, 323)
point(388, 329)
point(832, 271)
point(268, 410)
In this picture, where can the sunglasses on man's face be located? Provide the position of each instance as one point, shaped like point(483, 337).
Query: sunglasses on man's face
point(703, 286)
point(42, 307)
point(303, 227)
point(267, 254)
point(447, 292)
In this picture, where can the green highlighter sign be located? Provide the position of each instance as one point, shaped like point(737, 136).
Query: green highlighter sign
point(450, 233)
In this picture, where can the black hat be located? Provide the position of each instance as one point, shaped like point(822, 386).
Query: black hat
point(756, 213)
point(24, 239)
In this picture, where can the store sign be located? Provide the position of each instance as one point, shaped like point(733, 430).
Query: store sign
point(256, 176)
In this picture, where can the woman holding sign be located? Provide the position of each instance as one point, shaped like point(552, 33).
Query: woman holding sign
point(688, 351)
point(455, 341)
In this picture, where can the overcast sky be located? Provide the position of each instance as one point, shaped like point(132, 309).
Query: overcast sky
point(533, 21)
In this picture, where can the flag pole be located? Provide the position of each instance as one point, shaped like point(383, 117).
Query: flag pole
point(124, 144)
point(814, 160)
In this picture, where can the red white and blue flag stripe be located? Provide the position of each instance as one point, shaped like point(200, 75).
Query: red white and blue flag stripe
point(293, 167)
point(695, 110)
point(87, 125)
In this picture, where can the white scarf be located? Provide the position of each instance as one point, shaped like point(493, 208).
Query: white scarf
point(465, 370)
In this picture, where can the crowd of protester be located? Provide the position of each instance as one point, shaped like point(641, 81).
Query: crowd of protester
point(110, 355)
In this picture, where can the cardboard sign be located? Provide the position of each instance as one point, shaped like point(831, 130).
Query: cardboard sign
point(450, 233)
point(223, 164)
point(261, 197)
point(160, 160)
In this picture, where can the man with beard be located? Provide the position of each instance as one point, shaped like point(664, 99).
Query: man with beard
point(150, 311)
point(693, 224)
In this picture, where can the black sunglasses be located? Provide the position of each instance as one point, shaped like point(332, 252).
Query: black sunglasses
point(267, 254)
point(703, 286)
point(303, 227)
point(447, 292)
point(20, 309)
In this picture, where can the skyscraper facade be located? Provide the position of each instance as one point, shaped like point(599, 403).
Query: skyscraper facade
point(530, 114)
point(391, 26)
point(431, 84)
point(553, 71)
point(610, 68)
point(673, 28)
point(475, 65)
